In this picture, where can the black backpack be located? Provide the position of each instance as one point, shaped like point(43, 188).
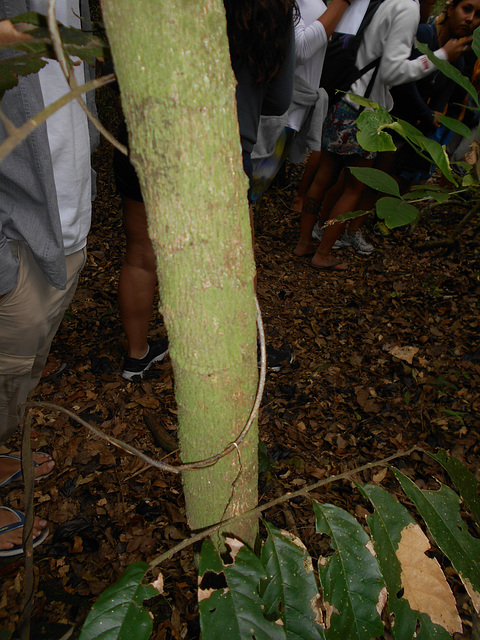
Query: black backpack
point(339, 69)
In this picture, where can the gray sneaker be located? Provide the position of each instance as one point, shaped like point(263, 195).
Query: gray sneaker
point(358, 242)
point(317, 234)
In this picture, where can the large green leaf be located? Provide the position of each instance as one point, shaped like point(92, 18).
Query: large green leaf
point(350, 579)
point(366, 103)
point(291, 592)
point(441, 513)
point(387, 527)
point(455, 125)
point(229, 601)
point(438, 154)
point(395, 212)
point(476, 42)
point(463, 479)
point(369, 136)
point(350, 215)
point(442, 195)
point(449, 70)
point(118, 614)
point(376, 179)
point(426, 146)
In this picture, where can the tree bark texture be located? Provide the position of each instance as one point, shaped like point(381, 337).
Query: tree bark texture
point(178, 94)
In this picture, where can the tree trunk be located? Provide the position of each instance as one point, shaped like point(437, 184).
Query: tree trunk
point(178, 95)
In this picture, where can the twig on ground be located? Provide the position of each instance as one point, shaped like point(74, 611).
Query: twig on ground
point(305, 492)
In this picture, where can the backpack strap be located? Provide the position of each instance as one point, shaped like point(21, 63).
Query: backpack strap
point(373, 64)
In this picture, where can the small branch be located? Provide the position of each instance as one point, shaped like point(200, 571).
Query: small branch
point(27, 537)
point(288, 496)
point(200, 464)
point(20, 133)
point(117, 443)
point(69, 74)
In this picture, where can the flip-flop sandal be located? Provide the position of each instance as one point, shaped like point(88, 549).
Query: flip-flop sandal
point(334, 265)
point(18, 548)
point(19, 474)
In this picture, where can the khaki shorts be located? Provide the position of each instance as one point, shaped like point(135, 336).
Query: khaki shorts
point(29, 318)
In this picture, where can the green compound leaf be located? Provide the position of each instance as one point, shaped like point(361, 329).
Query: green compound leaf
point(376, 179)
point(388, 526)
point(291, 592)
point(118, 614)
point(351, 582)
point(28, 57)
point(370, 134)
point(228, 595)
point(449, 70)
point(463, 479)
point(396, 212)
point(455, 125)
point(441, 513)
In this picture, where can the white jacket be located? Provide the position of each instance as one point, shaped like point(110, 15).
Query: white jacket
point(391, 35)
point(310, 46)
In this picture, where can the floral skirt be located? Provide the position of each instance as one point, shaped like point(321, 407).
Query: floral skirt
point(339, 134)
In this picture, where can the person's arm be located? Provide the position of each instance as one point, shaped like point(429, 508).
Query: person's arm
point(333, 15)
point(395, 66)
point(309, 40)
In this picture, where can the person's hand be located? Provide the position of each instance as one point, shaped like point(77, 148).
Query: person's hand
point(454, 48)
point(436, 121)
point(9, 35)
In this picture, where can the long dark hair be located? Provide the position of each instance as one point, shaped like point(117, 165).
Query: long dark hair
point(259, 32)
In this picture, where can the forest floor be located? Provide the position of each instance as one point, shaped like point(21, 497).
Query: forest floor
point(346, 400)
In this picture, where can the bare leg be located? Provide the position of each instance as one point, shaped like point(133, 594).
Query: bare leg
point(138, 278)
point(308, 175)
point(331, 197)
point(327, 174)
point(347, 202)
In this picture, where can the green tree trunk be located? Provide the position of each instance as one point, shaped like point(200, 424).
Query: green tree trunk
point(178, 95)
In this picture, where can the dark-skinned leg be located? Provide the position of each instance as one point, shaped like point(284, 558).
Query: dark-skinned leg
point(311, 169)
point(328, 171)
point(347, 202)
point(138, 278)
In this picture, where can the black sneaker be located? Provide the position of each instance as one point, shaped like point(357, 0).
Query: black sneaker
point(133, 367)
point(277, 359)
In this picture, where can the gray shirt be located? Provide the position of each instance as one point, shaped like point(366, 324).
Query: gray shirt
point(28, 200)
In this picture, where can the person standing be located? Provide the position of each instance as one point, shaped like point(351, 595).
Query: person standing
point(46, 191)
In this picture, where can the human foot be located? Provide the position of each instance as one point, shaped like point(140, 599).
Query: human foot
point(304, 249)
point(328, 263)
point(11, 531)
point(11, 467)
